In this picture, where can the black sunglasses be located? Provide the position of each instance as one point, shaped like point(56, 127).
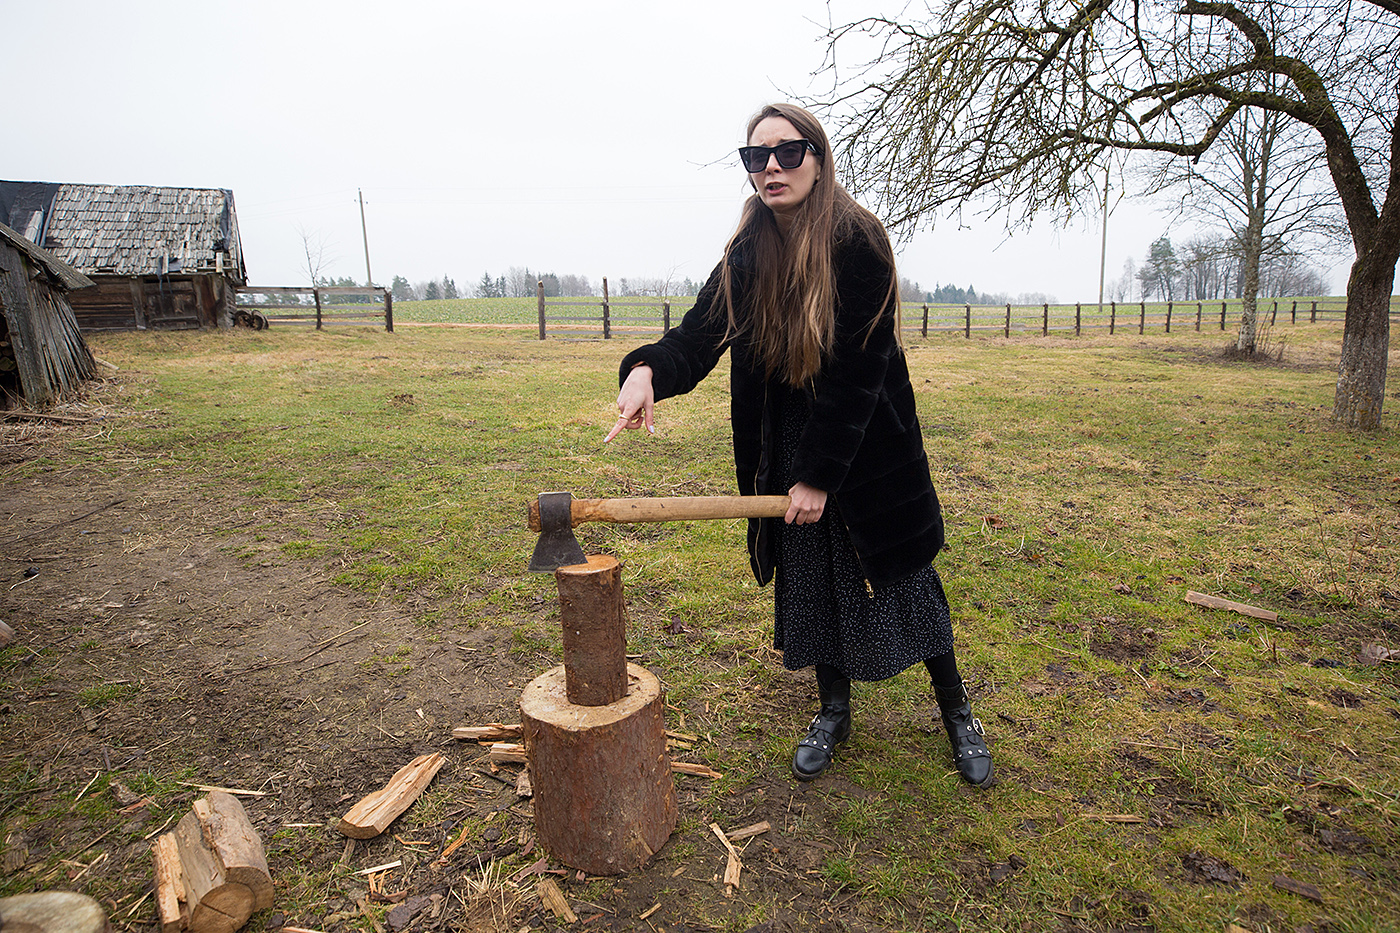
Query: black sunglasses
point(790, 155)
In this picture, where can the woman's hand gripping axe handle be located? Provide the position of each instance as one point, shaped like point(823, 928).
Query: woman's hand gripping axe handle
point(556, 513)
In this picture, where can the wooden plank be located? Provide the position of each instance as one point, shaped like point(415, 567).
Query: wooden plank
point(1216, 602)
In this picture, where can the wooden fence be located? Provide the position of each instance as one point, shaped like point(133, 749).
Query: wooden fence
point(1140, 317)
point(321, 311)
point(637, 314)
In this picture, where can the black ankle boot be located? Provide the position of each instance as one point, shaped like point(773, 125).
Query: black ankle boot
point(970, 753)
point(829, 728)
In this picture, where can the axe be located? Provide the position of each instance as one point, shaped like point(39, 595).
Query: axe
point(556, 513)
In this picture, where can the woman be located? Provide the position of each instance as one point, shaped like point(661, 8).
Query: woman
point(806, 301)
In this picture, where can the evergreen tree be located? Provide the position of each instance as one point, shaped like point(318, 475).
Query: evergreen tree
point(400, 289)
point(449, 288)
point(432, 293)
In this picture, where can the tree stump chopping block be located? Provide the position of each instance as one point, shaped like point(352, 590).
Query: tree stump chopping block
point(605, 801)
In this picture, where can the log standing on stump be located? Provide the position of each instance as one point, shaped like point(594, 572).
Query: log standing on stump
point(595, 735)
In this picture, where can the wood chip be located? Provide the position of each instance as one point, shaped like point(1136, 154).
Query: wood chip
point(649, 911)
point(747, 831)
point(686, 767)
point(1301, 888)
point(529, 870)
point(206, 788)
point(523, 787)
point(553, 898)
point(507, 753)
point(732, 865)
point(378, 868)
point(1216, 602)
point(491, 732)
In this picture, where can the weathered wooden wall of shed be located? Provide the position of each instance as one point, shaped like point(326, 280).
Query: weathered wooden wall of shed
point(50, 353)
point(170, 303)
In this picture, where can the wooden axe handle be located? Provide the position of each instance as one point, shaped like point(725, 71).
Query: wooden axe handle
point(669, 509)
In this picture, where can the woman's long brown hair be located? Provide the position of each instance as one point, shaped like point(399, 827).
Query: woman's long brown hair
point(789, 316)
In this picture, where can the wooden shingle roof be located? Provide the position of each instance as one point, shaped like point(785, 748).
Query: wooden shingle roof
point(143, 230)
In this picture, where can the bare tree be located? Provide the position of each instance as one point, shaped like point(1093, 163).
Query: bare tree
point(316, 255)
point(1028, 103)
point(1265, 181)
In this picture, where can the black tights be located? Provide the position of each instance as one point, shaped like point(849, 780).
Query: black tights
point(942, 670)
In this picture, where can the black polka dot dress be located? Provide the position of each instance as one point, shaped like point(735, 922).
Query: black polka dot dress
point(824, 613)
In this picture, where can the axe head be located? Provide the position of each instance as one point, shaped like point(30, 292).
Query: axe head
point(557, 546)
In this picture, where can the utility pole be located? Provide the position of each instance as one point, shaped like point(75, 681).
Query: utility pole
point(1103, 246)
point(369, 279)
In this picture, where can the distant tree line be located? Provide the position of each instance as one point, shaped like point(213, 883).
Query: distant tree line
point(1210, 267)
point(519, 282)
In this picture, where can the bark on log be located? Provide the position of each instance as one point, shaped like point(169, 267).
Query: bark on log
point(52, 912)
point(372, 815)
point(595, 630)
point(604, 800)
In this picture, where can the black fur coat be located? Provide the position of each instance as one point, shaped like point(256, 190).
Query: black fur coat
point(862, 443)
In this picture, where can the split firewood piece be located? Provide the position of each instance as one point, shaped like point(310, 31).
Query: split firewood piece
point(372, 815)
point(553, 898)
point(1216, 602)
point(687, 767)
point(52, 912)
point(222, 869)
point(507, 753)
point(523, 787)
point(170, 884)
point(732, 865)
point(491, 732)
point(747, 831)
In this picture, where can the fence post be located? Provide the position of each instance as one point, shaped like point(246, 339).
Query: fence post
point(1313, 319)
point(607, 324)
point(1045, 319)
point(539, 301)
point(1077, 319)
point(316, 293)
point(1008, 321)
point(967, 320)
point(1199, 312)
point(388, 312)
point(1169, 317)
point(1273, 315)
point(1112, 316)
point(1222, 315)
point(1142, 317)
point(1295, 311)
point(666, 316)
point(924, 331)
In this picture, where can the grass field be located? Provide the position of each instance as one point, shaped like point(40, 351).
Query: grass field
point(1161, 766)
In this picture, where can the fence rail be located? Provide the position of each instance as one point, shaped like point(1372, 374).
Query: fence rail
point(320, 313)
point(1113, 317)
point(926, 317)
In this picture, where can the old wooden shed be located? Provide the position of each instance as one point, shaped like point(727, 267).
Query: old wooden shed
point(42, 353)
point(167, 258)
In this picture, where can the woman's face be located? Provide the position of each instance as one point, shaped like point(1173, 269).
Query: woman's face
point(783, 190)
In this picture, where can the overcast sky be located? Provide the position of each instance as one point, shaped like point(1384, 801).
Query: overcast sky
point(588, 138)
